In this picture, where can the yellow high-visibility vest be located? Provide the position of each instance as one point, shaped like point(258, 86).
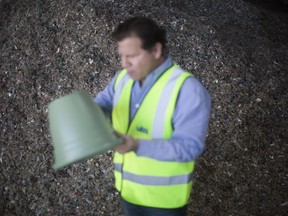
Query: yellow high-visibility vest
point(142, 180)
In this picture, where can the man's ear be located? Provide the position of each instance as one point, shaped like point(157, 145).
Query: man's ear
point(157, 50)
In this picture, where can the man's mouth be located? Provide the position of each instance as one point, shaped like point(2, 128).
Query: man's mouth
point(131, 72)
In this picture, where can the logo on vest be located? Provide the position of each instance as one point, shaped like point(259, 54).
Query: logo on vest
point(142, 129)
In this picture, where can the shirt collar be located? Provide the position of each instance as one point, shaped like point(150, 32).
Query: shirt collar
point(158, 71)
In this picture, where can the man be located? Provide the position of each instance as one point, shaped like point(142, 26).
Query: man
point(162, 114)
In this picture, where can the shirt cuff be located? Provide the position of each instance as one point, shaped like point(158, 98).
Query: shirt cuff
point(143, 147)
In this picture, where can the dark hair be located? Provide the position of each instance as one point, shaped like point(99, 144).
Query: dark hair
point(144, 28)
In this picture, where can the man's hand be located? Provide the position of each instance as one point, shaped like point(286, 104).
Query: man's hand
point(129, 143)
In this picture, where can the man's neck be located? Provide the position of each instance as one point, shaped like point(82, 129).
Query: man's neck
point(157, 64)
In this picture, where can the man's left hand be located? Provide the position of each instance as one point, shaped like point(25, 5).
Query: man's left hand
point(129, 143)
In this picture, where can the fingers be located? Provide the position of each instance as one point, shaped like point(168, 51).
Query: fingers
point(121, 149)
point(129, 144)
point(118, 134)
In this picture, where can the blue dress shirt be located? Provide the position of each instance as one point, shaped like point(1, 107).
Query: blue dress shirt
point(190, 119)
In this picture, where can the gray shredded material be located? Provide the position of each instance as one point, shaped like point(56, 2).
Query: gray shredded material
point(237, 49)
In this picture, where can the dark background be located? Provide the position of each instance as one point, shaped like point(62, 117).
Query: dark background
point(237, 49)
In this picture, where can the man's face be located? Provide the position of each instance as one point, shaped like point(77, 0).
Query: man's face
point(138, 61)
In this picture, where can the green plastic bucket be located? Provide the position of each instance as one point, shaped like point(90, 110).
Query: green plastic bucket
point(79, 129)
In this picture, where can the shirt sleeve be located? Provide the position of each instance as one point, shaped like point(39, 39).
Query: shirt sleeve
point(190, 122)
point(105, 97)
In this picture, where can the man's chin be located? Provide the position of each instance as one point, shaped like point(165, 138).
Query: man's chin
point(133, 76)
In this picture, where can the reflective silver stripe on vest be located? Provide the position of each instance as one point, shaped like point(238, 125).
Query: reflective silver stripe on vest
point(118, 167)
point(157, 180)
point(159, 121)
point(153, 180)
point(119, 87)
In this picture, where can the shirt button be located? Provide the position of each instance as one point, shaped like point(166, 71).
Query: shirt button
point(137, 106)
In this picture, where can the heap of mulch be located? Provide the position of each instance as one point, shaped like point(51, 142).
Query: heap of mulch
point(238, 50)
